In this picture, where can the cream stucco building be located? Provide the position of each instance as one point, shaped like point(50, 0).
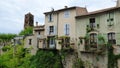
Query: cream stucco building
point(61, 23)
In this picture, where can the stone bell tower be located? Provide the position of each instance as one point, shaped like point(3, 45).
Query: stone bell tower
point(118, 3)
point(28, 20)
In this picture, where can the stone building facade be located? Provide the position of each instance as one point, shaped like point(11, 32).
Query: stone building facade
point(28, 20)
point(36, 40)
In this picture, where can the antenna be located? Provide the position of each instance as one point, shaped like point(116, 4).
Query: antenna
point(52, 9)
point(86, 6)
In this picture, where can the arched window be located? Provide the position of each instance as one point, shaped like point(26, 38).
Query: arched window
point(93, 38)
point(111, 38)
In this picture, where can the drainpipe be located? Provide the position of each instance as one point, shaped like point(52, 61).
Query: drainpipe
point(57, 22)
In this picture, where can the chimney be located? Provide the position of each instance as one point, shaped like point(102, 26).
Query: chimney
point(66, 6)
point(118, 3)
point(36, 23)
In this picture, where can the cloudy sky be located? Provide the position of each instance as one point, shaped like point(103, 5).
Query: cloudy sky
point(12, 11)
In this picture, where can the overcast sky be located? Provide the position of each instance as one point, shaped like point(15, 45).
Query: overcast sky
point(12, 11)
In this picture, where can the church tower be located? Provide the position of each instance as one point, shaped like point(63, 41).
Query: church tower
point(118, 3)
point(28, 20)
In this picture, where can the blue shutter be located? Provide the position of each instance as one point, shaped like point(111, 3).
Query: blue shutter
point(52, 16)
point(48, 30)
point(65, 29)
point(68, 29)
point(48, 17)
point(55, 30)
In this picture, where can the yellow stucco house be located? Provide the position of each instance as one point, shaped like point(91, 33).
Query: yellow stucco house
point(60, 27)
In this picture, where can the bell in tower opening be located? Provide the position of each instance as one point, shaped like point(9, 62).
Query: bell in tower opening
point(28, 20)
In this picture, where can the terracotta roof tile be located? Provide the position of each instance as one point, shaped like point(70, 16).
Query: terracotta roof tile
point(74, 7)
point(98, 11)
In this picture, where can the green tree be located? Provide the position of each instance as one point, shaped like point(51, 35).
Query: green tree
point(27, 31)
point(46, 59)
point(15, 57)
point(5, 39)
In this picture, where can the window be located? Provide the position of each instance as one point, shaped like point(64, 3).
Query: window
point(30, 41)
point(52, 41)
point(66, 14)
point(38, 32)
point(50, 17)
point(66, 29)
point(65, 42)
point(111, 38)
point(110, 18)
point(51, 29)
point(93, 38)
point(92, 22)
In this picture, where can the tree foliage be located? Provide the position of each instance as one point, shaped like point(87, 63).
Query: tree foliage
point(46, 59)
point(5, 48)
point(27, 31)
point(6, 37)
point(19, 57)
point(15, 57)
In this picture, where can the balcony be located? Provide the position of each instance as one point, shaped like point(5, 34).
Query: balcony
point(94, 47)
point(98, 49)
point(41, 36)
point(64, 42)
point(41, 28)
point(51, 34)
point(92, 28)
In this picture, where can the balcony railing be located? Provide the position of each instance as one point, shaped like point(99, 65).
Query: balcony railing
point(51, 34)
point(40, 36)
point(95, 47)
point(65, 42)
point(92, 28)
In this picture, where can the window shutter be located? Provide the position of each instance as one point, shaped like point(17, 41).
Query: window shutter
point(48, 17)
point(48, 30)
point(108, 17)
point(68, 29)
point(55, 30)
point(65, 29)
point(112, 23)
point(52, 16)
point(111, 15)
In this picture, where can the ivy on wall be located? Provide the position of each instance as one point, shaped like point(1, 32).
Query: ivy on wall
point(112, 59)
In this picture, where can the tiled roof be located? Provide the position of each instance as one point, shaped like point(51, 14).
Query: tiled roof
point(40, 27)
point(98, 11)
point(74, 7)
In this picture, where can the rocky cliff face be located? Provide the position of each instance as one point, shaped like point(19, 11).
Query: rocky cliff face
point(71, 60)
point(68, 61)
